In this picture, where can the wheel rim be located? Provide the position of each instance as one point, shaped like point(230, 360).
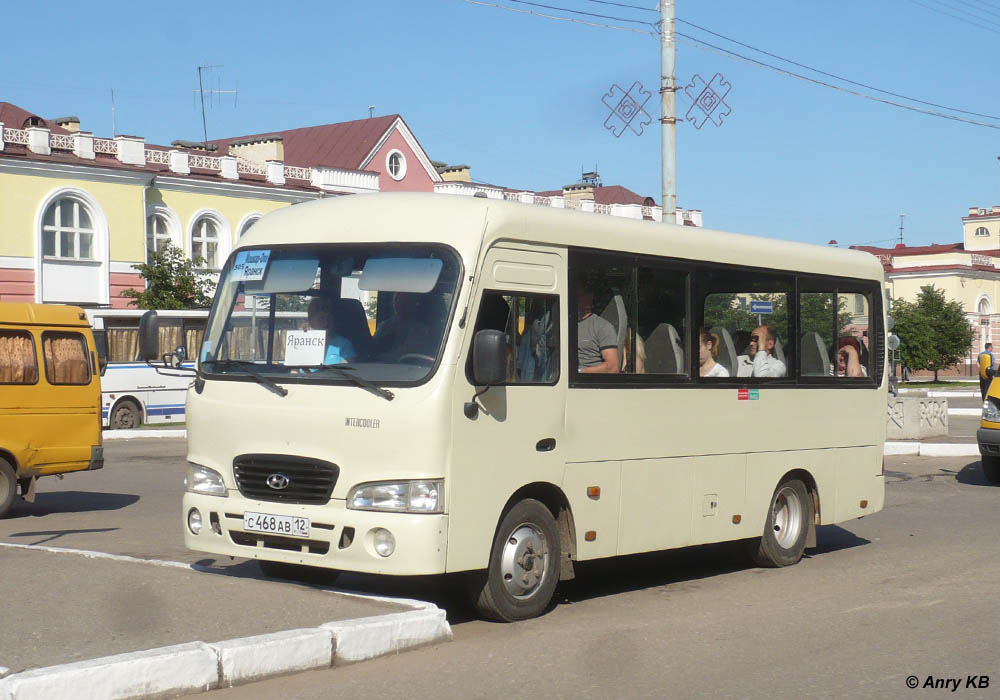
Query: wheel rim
point(524, 561)
point(786, 517)
point(125, 418)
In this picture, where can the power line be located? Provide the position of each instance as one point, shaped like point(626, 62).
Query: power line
point(832, 75)
point(967, 13)
point(622, 4)
point(978, 9)
point(960, 19)
point(705, 46)
point(581, 12)
point(561, 19)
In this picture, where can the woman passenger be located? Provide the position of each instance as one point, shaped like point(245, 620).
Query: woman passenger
point(708, 350)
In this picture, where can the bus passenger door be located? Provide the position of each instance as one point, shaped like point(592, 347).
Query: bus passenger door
point(514, 435)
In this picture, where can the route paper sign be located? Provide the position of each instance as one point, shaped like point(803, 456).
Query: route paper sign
point(250, 265)
point(305, 347)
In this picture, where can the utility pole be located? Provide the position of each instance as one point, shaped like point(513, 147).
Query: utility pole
point(114, 124)
point(668, 109)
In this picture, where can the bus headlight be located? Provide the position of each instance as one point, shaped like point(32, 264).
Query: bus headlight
point(204, 480)
point(421, 496)
point(991, 412)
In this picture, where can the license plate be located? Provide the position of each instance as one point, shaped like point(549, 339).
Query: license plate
point(276, 524)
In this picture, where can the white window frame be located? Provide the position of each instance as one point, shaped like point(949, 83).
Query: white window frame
point(223, 244)
point(173, 226)
point(402, 164)
point(248, 221)
point(100, 242)
point(60, 227)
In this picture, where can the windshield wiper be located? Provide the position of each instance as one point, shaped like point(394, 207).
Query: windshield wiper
point(268, 384)
point(343, 371)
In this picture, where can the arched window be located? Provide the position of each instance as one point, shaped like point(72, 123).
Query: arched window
point(157, 233)
point(248, 223)
point(982, 231)
point(68, 230)
point(205, 242)
point(984, 306)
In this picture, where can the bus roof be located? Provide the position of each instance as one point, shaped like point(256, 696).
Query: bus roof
point(467, 222)
point(19, 314)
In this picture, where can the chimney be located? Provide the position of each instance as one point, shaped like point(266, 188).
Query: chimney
point(578, 191)
point(455, 173)
point(973, 211)
point(68, 123)
point(194, 146)
point(996, 209)
point(259, 149)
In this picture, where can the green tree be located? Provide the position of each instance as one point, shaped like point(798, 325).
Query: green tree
point(933, 332)
point(172, 282)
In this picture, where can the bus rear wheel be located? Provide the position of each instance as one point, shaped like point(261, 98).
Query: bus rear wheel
point(788, 519)
point(125, 416)
point(991, 469)
point(8, 487)
point(524, 565)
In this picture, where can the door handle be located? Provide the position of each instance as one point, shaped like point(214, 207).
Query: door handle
point(545, 445)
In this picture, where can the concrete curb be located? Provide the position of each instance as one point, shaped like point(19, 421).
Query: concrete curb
point(141, 433)
point(965, 411)
point(197, 666)
point(932, 449)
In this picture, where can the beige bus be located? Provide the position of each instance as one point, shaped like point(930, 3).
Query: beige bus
point(542, 387)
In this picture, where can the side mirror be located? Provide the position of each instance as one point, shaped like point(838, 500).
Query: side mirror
point(178, 357)
point(489, 362)
point(149, 336)
point(101, 345)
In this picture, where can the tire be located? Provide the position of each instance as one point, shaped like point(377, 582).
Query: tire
point(524, 565)
point(297, 572)
point(125, 416)
point(788, 519)
point(8, 487)
point(991, 469)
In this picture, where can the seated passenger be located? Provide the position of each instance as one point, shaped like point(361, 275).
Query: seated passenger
point(597, 341)
point(849, 358)
point(414, 328)
point(708, 350)
point(760, 360)
point(339, 349)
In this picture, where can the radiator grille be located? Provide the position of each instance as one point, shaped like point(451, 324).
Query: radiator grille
point(308, 480)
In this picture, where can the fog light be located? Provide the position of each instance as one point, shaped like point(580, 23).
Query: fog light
point(194, 521)
point(385, 543)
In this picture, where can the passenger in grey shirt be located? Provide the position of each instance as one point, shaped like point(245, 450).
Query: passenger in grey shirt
point(597, 341)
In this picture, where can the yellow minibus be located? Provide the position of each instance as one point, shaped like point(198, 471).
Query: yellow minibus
point(541, 387)
point(50, 397)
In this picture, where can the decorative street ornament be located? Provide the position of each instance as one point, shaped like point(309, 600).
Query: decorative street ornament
point(627, 109)
point(709, 100)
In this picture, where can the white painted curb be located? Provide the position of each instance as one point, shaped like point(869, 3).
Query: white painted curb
point(932, 449)
point(255, 658)
point(368, 637)
point(196, 666)
point(965, 411)
point(140, 433)
point(173, 670)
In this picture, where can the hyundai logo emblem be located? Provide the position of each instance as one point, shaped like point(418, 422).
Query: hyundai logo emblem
point(278, 481)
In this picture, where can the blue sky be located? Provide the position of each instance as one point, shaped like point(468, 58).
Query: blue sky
point(518, 97)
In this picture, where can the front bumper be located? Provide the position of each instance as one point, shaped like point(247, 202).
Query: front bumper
point(339, 538)
point(989, 441)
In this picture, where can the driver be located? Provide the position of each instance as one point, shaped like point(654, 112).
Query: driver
point(339, 349)
point(413, 329)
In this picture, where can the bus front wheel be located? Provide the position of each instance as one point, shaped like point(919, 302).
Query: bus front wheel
point(788, 519)
point(125, 416)
point(524, 565)
point(8, 487)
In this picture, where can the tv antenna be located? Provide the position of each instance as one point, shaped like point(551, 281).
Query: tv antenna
point(901, 217)
point(211, 93)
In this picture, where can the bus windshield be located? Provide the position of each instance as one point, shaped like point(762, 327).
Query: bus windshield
point(332, 313)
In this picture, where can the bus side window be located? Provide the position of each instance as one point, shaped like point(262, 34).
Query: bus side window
point(67, 360)
point(530, 323)
point(18, 361)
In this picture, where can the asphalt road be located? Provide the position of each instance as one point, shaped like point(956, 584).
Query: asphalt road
point(909, 591)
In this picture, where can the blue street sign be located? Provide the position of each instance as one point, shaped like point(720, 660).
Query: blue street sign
point(761, 307)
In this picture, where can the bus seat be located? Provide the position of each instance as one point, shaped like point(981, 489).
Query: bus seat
point(664, 351)
point(727, 349)
point(614, 313)
point(494, 312)
point(779, 350)
point(815, 360)
point(351, 321)
point(741, 342)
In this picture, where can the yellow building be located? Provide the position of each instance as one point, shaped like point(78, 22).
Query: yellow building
point(967, 271)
